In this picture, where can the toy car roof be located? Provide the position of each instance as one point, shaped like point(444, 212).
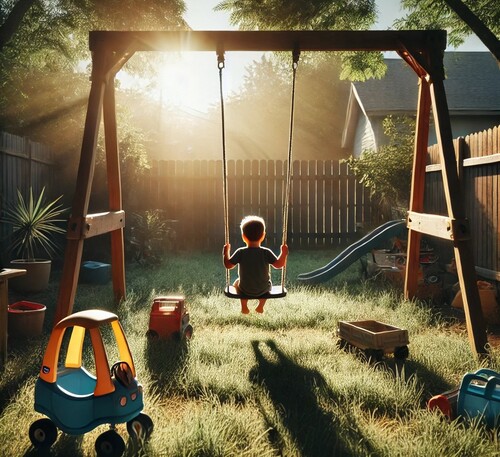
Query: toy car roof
point(87, 319)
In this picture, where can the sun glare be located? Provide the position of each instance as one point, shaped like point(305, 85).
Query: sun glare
point(189, 81)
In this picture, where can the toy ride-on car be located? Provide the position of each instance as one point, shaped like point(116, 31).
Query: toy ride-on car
point(75, 401)
point(169, 318)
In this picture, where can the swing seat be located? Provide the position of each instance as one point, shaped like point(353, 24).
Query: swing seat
point(275, 292)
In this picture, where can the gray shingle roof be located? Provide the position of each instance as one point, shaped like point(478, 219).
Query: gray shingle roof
point(472, 84)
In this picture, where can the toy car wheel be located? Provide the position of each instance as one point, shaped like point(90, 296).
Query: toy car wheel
point(140, 427)
point(152, 334)
point(43, 433)
point(188, 332)
point(401, 352)
point(109, 444)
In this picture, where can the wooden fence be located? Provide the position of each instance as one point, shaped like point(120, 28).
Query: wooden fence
point(23, 164)
point(479, 166)
point(327, 206)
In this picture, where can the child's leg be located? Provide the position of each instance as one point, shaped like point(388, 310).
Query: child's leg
point(244, 306)
point(243, 301)
point(260, 306)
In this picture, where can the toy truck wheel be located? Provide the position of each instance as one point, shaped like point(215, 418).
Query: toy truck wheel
point(109, 444)
point(188, 332)
point(140, 427)
point(151, 334)
point(401, 352)
point(43, 433)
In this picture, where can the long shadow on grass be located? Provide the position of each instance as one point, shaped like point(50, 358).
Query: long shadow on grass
point(166, 360)
point(295, 392)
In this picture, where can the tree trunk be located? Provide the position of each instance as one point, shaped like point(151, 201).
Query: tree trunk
point(11, 24)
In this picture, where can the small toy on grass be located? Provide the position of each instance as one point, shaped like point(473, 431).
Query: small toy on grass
point(169, 318)
point(446, 403)
point(75, 401)
point(374, 338)
point(479, 396)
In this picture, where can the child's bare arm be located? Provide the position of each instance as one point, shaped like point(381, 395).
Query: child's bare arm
point(225, 255)
point(281, 260)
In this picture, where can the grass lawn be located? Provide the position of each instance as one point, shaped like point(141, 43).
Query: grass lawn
point(275, 384)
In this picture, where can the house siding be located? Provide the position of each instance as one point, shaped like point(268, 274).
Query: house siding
point(472, 96)
point(364, 138)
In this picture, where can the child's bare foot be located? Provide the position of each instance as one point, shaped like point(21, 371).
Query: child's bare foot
point(245, 311)
point(259, 309)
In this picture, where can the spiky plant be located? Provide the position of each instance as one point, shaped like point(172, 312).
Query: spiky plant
point(34, 222)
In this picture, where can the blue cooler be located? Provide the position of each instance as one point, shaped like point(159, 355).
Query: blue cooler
point(95, 272)
point(479, 395)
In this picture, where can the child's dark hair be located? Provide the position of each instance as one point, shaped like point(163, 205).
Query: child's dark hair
point(253, 227)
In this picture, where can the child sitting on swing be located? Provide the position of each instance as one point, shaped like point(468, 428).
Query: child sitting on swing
point(253, 262)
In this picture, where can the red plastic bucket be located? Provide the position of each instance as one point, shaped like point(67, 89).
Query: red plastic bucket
point(26, 319)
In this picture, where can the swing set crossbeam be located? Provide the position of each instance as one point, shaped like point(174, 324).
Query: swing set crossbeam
point(305, 40)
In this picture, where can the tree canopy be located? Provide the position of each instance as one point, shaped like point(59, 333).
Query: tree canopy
point(49, 38)
point(460, 18)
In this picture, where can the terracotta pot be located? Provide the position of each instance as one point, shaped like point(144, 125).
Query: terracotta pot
point(36, 278)
point(26, 319)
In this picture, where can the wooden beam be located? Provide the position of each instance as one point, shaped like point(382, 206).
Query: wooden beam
point(439, 226)
point(114, 61)
point(74, 246)
point(5, 275)
point(416, 202)
point(488, 274)
point(304, 40)
point(454, 201)
point(114, 191)
point(96, 224)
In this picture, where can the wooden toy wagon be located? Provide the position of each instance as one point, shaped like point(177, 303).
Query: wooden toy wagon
point(374, 338)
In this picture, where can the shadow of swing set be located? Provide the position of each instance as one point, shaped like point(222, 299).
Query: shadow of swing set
point(421, 50)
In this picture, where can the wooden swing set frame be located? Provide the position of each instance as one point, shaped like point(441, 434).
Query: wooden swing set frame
point(422, 51)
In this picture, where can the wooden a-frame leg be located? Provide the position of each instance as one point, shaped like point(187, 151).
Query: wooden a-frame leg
point(74, 247)
point(462, 241)
point(417, 187)
point(114, 190)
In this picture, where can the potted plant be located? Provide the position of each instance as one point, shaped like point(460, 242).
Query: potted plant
point(34, 224)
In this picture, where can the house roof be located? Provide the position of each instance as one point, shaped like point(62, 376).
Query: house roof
point(472, 86)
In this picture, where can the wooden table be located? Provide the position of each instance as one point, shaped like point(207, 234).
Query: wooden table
point(5, 274)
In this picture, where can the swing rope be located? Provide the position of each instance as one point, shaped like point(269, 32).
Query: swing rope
point(220, 65)
point(286, 201)
point(286, 196)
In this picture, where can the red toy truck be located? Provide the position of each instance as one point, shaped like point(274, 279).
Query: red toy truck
point(169, 318)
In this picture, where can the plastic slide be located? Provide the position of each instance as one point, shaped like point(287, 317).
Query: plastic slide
point(348, 256)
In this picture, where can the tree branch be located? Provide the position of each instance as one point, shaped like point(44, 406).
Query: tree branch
point(11, 24)
point(477, 26)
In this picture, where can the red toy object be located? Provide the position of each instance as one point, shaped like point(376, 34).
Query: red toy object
point(169, 318)
point(446, 403)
